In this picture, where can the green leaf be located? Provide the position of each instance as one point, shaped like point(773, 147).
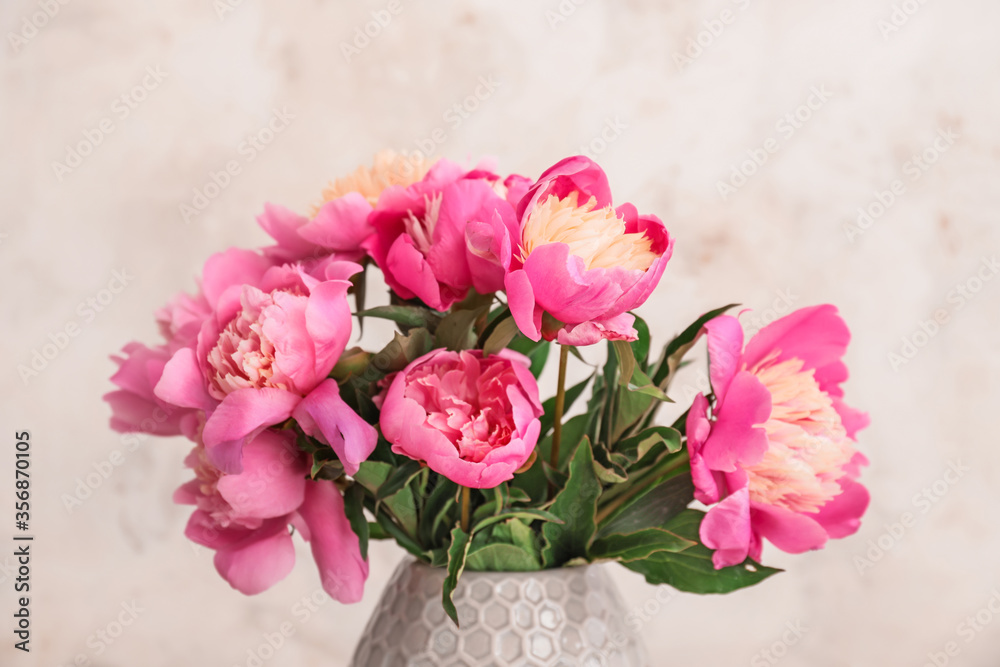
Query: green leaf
point(635, 546)
point(376, 531)
point(371, 474)
point(395, 356)
point(457, 553)
point(502, 334)
point(641, 383)
point(531, 482)
point(640, 346)
point(354, 508)
point(528, 515)
point(652, 507)
point(576, 503)
point(398, 478)
point(501, 557)
point(434, 513)
point(518, 495)
point(549, 406)
point(536, 351)
point(573, 431)
point(636, 447)
point(407, 316)
point(359, 285)
point(400, 536)
point(456, 331)
point(692, 570)
point(678, 347)
point(626, 361)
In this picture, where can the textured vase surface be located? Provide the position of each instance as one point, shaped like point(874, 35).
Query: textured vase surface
point(568, 617)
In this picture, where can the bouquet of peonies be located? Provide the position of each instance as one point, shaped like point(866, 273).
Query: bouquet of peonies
point(440, 440)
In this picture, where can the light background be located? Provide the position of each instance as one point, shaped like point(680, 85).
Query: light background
point(781, 237)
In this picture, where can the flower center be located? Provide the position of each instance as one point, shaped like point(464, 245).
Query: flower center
point(808, 446)
point(245, 355)
point(421, 229)
point(598, 237)
point(389, 168)
point(466, 400)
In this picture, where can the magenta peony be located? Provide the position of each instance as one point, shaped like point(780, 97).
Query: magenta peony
point(775, 454)
point(575, 258)
point(245, 518)
point(268, 345)
point(420, 233)
point(471, 419)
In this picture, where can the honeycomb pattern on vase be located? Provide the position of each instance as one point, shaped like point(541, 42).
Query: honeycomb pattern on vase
point(569, 617)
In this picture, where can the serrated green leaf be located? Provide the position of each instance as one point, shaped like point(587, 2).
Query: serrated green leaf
point(576, 503)
point(457, 553)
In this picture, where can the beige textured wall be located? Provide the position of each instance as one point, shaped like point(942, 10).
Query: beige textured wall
point(886, 93)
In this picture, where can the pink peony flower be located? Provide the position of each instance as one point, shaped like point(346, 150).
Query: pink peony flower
point(471, 419)
point(574, 258)
point(776, 451)
point(134, 405)
point(245, 518)
point(419, 241)
point(263, 356)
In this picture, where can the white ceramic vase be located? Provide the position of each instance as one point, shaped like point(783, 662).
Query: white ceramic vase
point(567, 617)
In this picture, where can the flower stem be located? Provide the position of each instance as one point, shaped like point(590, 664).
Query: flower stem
point(466, 491)
point(560, 405)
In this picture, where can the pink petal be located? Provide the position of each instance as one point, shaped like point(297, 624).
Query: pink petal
point(817, 335)
point(790, 531)
point(725, 351)
point(406, 267)
point(324, 415)
point(334, 545)
point(240, 417)
point(273, 480)
point(842, 515)
point(263, 559)
point(521, 299)
point(231, 268)
point(284, 226)
point(618, 327)
point(341, 224)
point(726, 528)
point(853, 420)
point(736, 437)
point(183, 383)
point(565, 288)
